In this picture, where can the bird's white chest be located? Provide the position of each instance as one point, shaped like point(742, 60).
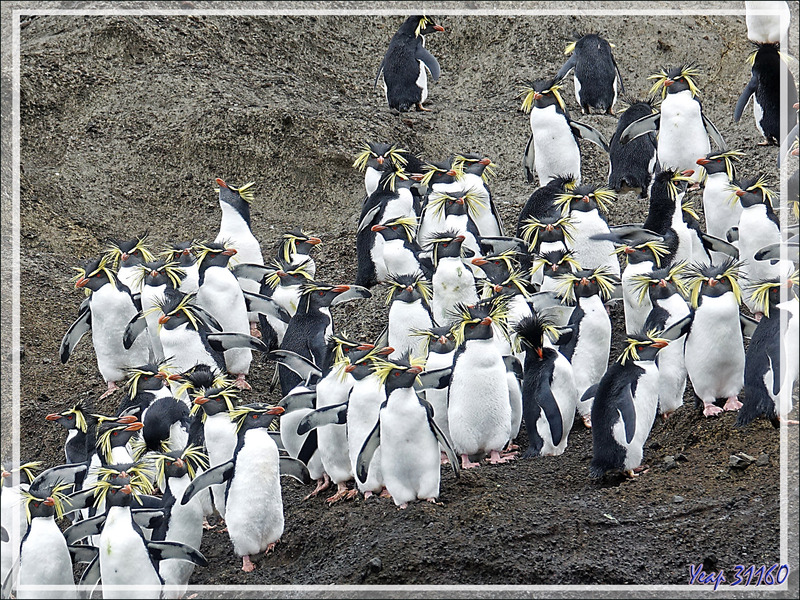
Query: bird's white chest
point(124, 559)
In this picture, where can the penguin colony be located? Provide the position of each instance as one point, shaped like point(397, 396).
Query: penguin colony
point(487, 332)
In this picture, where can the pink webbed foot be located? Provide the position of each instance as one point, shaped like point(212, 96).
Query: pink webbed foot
point(247, 565)
point(587, 421)
point(710, 410)
point(254, 330)
point(341, 493)
point(466, 464)
point(433, 501)
point(403, 506)
point(512, 447)
point(112, 387)
point(322, 485)
point(271, 547)
point(732, 404)
point(385, 494)
point(443, 459)
point(496, 459)
point(368, 494)
point(241, 383)
point(351, 494)
point(758, 316)
point(422, 108)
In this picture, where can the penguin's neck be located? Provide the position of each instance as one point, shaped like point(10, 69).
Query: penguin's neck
point(234, 216)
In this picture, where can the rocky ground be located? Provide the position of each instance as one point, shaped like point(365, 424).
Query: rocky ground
point(127, 120)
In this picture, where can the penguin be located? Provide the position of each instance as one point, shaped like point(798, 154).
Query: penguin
point(165, 425)
point(80, 426)
point(401, 254)
point(758, 227)
point(184, 254)
point(549, 395)
point(44, 558)
point(109, 309)
point(363, 408)
point(253, 502)
point(668, 296)
point(12, 515)
point(633, 164)
point(182, 523)
point(213, 407)
point(403, 66)
point(666, 216)
point(548, 234)
point(124, 256)
point(154, 278)
point(143, 386)
point(512, 283)
point(683, 129)
point(764, 87)
point(714, 346)
point(371, 160)
point(454, 210)
point(542, 202)
point(625, 403)
point(407, 436)
point(127, 558)
point(452, 281)
point(720, 210)
point(767, 22)
point(763, 369)
point(295, 248)
point(473, 172)
point(589, 345)
point(236, 230)
point(312, 325)
point(552, 148)
point(409, 300)
point(586, 205)
point(220, 294)
point(479, 407)
point(596, 73)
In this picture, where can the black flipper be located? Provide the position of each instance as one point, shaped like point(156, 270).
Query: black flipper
point(79, 500)
point(748, 91)
point(3, 534)
point(219, 474)
point(62, 473)
point(566, 68)
point(590, 393)
point(164, 550)
point(429, 60)
point(716, 244)
point(308, 448)
point(84, 528)
point(305, 368)
point(251, 271)
point(627, 411)
point(588, 133)
point(336, 414)
point(748, 325)
point(81, 326)
point(133, 330)
point(225, 341)
point(513, 365)
point(356, 292)
point(549, 407)
point(640, 127)
point(275, 436)
point(543, 300)
point(564, 335)
point(712, 131)
point(437, 379)
point(265, 306)
point(369, 216)
point(296, 401)
point(208, 318)
point(83, 553)
point(147, 518)
point(368, 451)
point(442, 439)
point(678, 328)
point(293, 467)
point(529, 160)
point(91, 574)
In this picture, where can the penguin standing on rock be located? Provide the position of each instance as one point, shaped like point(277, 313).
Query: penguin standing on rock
point(549, 396)
point(596, 73)
point(403, 66)
point(253, 505)
point(625, 403)
point(764, 88)
point(633, 164)
point(552, 148)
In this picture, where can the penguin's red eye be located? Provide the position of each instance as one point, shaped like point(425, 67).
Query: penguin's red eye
point(113, 490)
point(394, 227)
point(472, 326)
point(497, 262)
point(255, 415)
point(444, 245)
point(321, 293)
point(397, 373)
point(115, 432)
point(70, 417)
point(36, 504)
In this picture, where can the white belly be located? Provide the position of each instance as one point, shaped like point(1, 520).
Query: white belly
point(556, 151)
point(721, 214)
point(185, 348)
point(45, 560)
point(111, 312)
point(645, 404)
point(589, 253)
point(124, 560)
point(332, 439)
point(403, 319)
point(363, 407)
point(453, 282)
point(220, 436)
point(682, 137)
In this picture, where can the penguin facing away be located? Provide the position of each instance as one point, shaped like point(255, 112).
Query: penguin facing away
point(596, 73)
point(403, 66)
point(633, 164)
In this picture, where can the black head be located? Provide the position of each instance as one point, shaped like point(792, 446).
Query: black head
point(161, 272)
point(179, 309)
point(362, 361)
point(474, 164)
point(182, 252)
point(531, 332)
point(214, 254)
point(418, 25)
point(94, 275)
point(550, 228)
point(585, 283)
point(438, 172)
point(669, 185)
point(752, 192)
point(239, 198)
point(73, 418)
point(721, 162)
point(474, 322)
point(660, 284)
point(316, 294)
point(653, 251)
point(445, 244)
point(408, 288)
point(254, 416)
point(401, 228)
point(121, 484)
point(128, 253)
point(643, 346)
point(497, 267)
point(396, 374)
point(27, 472)
point(297, 241)
point(543, 93)
point(673, 80)
point(375, 155)
point(581, 42)
point(556, 263)
point(712, 281)
point(215, 400)
point(765, 57)
point(585, 198)
point(766, 294)
point(115, 434)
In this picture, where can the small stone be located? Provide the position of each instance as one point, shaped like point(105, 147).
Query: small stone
point(678, 499)
point(375, 564)
point(681, 458)
point(763, 460)
point(740, 460)
point(669, 462)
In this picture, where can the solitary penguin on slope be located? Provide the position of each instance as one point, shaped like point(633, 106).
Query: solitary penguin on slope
point(552, 148)
point(253, 504)
point(403, 66)
point(596, 73)
point(768, 67)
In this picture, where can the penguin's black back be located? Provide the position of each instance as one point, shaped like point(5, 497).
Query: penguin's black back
point(595, 70)
point(575, 319)
point(767, 68)
point(540, 204)
point(401, 70)
point(607, 454)
point(630, 163)
point(538, 377)
point(160, 416)
point(305, 335)
point(763, 353)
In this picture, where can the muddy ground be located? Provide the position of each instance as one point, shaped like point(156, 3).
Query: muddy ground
point(127, 120)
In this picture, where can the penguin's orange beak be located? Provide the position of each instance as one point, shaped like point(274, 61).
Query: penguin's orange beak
point(662, 283)
point(585, 199)
point(314, 241)
point(415, 370)
point(409, 288)
point(460, 201)
point(134, 426)
point(179, 463)
point(81, 282)
point(380, 160)
point(796, 152)
point(539, 353)
point(49, 501)
point(126, 489)
point(487, 321)
point(660, 344)
point(6, 474)
point(386, 351)
point(349, 368)
point(452, 173)
point(280, 273)
point(629, 250)
point(127, 420)
point(479, 262)
point(200, 400)
point(276, 410)
point(537, 96)
point(417, 176)
point(125, 256)
point(229, 252)
point(442, 340)
point(703, 161)
point(712, 282)
point(740, 193)
point(365, 347)
point(163, 319)
point(438, 28)
point(485, 161)
point(548, 228)
point(340, 288)
point(497, 289)
point(221, 183)
point(687, 173)
point(584, 281)
point(378, 227)
point(668, 82)
point(459, 238)
point(53, 417)
point(554, 267)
